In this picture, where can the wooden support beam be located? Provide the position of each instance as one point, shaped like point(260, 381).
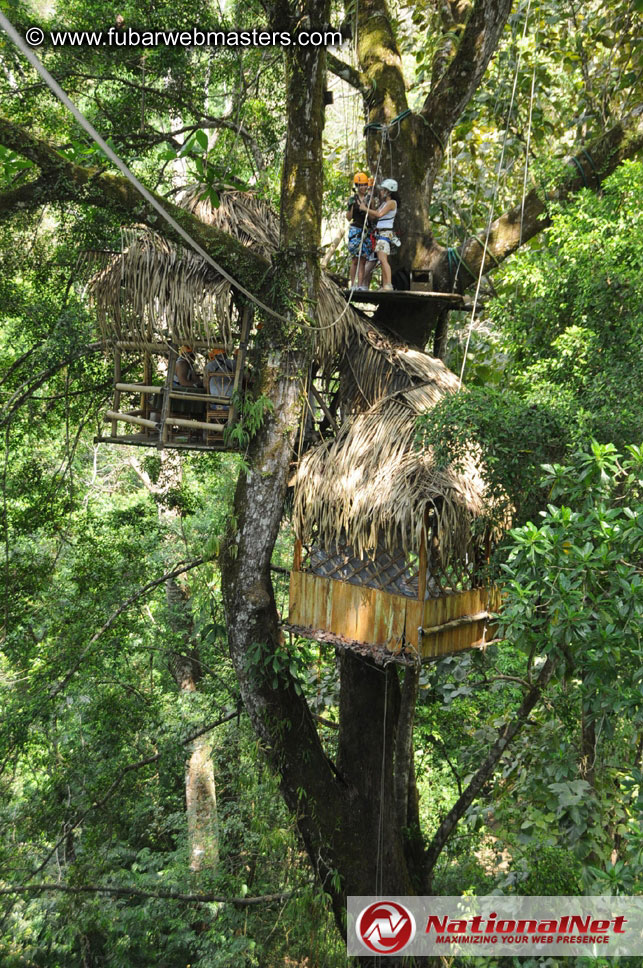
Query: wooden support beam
point(296, 562)
point(128, 418)
point(246, 323)
point(320, 400)
point(162, 349)
point(165, 410)
point(195, 424)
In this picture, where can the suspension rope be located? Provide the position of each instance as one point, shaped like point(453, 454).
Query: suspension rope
point(454, 209)
point(379, 872)
point(592, 165)
point(493, 201)
point(575, 161)
point(527, 146)
point(53, 85)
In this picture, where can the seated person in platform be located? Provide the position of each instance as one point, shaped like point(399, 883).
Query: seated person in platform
point(218, 376)
point(185, 374)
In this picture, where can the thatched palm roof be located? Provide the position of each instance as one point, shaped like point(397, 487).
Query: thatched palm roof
point(153, 288)
point(371, 485)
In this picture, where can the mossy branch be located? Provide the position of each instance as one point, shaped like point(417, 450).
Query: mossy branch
point(63, 180)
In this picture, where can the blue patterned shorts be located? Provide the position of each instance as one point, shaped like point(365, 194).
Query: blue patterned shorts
point(354, 239)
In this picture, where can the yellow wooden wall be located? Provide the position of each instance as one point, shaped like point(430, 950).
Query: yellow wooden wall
point(379, 618)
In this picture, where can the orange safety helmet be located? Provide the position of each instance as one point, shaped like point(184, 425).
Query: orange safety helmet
point(215, 351)
point(185, 349)
point(371, 182)
point(361, 178)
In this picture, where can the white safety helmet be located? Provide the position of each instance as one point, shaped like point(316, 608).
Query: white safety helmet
point(389, 184)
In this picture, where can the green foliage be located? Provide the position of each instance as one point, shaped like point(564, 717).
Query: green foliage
point(252, 412)
point(277, 662)
point(565, 580)
point(570, 315)
point(542, 870)
point(514, 435)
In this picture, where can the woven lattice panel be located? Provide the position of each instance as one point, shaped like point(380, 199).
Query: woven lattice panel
point(387, 572)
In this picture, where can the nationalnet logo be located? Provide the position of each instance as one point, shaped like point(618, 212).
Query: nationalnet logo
point(386, 927)
point(491, 926)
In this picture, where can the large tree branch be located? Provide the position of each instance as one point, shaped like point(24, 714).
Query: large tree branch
point(448, 98)
point(349, 74)
point(454, 15)
point(485, 772)
point(380, 60)
point(586, 170)
point(137, 892)
point(67, 181)
point(25, 198)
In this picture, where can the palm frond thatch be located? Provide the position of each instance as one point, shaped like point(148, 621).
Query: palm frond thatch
point(371, 486)
point(156, 288)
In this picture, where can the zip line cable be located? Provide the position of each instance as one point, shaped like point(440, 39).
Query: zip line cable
point(53, 85)
point(122, 167)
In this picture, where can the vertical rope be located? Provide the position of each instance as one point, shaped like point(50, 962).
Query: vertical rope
point(524, 181)
point(493, 202)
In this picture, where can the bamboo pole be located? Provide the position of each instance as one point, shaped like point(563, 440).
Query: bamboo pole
point(147, 376)
point(171, 366)
point(136, 440)
point(127, 418)
point(456, 622)
point(200, 397)
point(174, 395)
point(117, 397)
point(162, 349)
point(196, 424)
point(424, 557)
point(138, 388)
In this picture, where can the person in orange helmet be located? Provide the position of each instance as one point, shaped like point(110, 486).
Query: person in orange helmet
point(218, 375)
point(359, 234)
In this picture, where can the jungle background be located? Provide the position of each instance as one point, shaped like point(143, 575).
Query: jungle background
point(97, 726)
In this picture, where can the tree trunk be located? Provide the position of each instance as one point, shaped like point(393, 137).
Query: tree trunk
point(200, 788)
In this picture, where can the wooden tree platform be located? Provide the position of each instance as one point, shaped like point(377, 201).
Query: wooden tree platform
point(407, 298)
point(376, 622)
point(145, 440)
point(170, 415)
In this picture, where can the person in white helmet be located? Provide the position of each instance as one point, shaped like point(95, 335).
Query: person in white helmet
point(384, 233)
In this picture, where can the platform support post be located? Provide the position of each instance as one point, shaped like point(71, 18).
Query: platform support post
point(117, 393)
point(165, 412)
point(424, 560)
point(296, 561)
point(246, 323)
